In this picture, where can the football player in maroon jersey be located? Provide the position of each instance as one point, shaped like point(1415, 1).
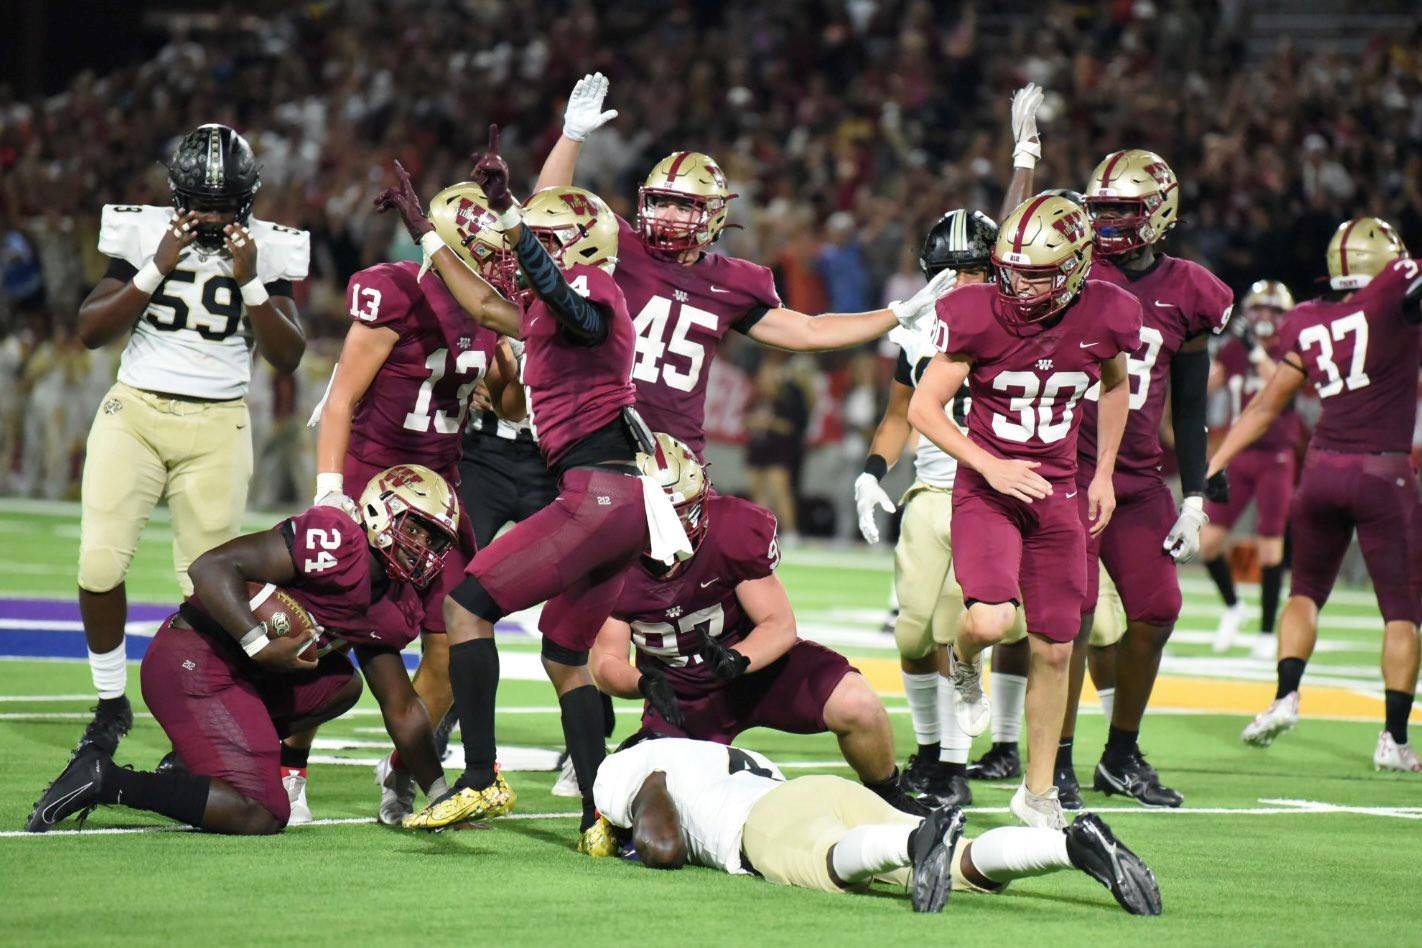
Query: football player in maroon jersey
point(1359, 347)
point(225, 692)
point(1263, 474)
point(716, 649)
point(1030, 347)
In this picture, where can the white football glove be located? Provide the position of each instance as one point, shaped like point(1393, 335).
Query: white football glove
point(916, 311)
point(584, 114)
point(337, 499)
point(1026, 147)
point(1183, 540)
point(868, 495)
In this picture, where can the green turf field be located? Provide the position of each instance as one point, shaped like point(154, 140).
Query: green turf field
point(1299, 843)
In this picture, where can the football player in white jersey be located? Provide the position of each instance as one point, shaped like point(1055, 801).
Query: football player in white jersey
point(675, 801)
point(199, 286)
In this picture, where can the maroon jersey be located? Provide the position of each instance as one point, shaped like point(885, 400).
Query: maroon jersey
point(1361, 356)
point(1179, 300)
point(415, 407)
point(666, 614)
point(1027, 379)
point(576, 389)
point(681, 312)
point(1242, 382)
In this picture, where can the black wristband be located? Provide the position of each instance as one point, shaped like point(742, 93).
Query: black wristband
point(877, 465)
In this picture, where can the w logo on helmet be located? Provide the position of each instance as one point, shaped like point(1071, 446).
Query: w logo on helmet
point(1161, 172)
point(578, 204)
point(1072, 226)
point(400, 477)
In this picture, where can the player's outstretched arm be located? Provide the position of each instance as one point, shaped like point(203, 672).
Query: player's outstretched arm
point(365, 350)
point(656, 826)
point(890, 439)
point(800, 332)
point(275, 328)
point(611, 671)
point(1111, 416)
point(406, 720)
point(582, 116)
point(767, 604)
point(113, 306)
point(1262, 412)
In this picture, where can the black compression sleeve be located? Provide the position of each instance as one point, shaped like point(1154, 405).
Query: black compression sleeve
point(582, 320)
point(1189, 379)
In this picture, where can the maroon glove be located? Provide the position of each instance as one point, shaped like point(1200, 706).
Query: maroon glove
point(404, 199)
point(491, 173)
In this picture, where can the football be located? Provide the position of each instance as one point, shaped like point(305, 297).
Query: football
point(279, 611)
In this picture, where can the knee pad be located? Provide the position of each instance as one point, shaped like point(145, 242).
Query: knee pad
point(102, 569)
point(471, 594)
point(572, 657)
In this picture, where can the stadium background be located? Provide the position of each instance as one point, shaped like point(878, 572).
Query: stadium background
point(846, 127)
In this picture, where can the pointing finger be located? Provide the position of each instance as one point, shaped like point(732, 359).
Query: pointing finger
point(493, 139)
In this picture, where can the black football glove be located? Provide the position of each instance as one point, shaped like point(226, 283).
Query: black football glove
point(491, 173)
point(406, 201)
point(656, 689)
point(1217, 488)
point(727, 664)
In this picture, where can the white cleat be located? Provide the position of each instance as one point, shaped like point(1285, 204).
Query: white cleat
point(1274, 720)
point(972, 709)
point(567, 783)
point(1230, 623)
point(295, 785)
point(1266, 648)
point(397, 792)
point(1039, 810)
point(1391, 755)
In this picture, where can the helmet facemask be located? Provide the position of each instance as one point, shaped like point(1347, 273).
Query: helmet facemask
point(411, 518)
point(1118, 233)
point(672, 237)
point(415, 556)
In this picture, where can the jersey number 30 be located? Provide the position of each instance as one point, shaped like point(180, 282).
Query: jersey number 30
point(1036, 403)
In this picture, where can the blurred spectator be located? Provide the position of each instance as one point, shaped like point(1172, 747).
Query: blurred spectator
point(775, 449)
point(842, 266)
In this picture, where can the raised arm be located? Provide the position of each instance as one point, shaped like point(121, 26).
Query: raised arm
point(113, 306)
point(1026, 147)
point(582, 116)
point(278, 335)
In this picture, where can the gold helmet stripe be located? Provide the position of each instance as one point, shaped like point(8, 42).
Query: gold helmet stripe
point(1021, 235)
point(1343, 247)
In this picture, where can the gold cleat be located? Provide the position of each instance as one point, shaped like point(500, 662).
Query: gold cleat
point(599, 840)
point(464, 806)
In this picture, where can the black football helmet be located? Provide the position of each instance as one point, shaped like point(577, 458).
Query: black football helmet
point(961, 240)
point(213, 169)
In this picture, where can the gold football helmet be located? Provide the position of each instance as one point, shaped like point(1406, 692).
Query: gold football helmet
point(1042, 256)
point(673, 465)
point(1141, 183)
point(1264, 296)
point(686, 177)
point(461, 216)
point(399, 497)
point(575, 225)
point(1360, 248)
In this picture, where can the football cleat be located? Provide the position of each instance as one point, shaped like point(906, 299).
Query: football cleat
point(75, 790)
point(1040, 810)
point(170, 764)
point(1391, 755)
point(1274, 720)
point(465, 804)
point(931, 847)
point(599, 840)
point(1265, 647)
point(1068, 788)
point(1231, 621)
point(1095, 850)
point(972, 707)
point(397, 792)
point(949, 790)
point(1131, 776)
point(113, 717)
point(295, 783)
point(1001, 762)
point(919, 773)
point(567, 783)
point(895, 797)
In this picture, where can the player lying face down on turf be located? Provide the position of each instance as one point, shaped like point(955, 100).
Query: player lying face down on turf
point(226, 687)
point(579, 345)
point(716, 648)
point(672, 802)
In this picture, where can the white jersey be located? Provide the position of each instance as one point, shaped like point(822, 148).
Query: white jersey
point(932, 465)
point(712, 785)
point(194, 339)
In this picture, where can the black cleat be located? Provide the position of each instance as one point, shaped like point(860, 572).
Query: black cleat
point(446, 727)
point(1068, 788)
point(931, 848)
point(1001, 762)
point(902, 802)
point(919, 773)
point(112, 719)
point(170, 764)
point(950, 790)
point(1096, 851)
point(75, 790)
point(1131, 776)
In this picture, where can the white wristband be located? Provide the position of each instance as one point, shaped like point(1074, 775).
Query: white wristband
point(330, 482)
point(148, 278)
point(1026, 155)
point(431, 242)
point(253, 293)
point(510, 218)
point(255, 640)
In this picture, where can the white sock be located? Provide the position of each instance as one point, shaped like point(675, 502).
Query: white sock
point(868, 851)
point(109, 671)
point(1009, 693)
point(1108, 701)
point(1015, 852)
point(922, 694)
point(954, 745)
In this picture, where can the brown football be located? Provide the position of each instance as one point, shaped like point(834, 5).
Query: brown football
point(279, 611)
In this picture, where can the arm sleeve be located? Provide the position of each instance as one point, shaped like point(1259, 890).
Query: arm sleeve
point(581, 319)
point(1189, 378)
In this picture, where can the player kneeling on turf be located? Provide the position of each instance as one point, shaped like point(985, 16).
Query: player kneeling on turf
point(678, 801)
point(226, 686)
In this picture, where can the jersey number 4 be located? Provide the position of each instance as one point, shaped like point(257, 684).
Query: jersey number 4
point(214, 313)
point(652, 343)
